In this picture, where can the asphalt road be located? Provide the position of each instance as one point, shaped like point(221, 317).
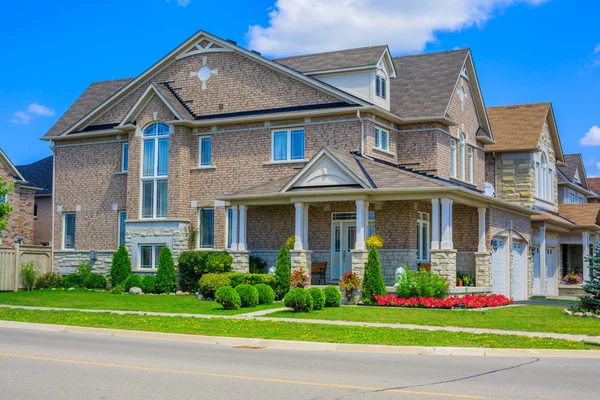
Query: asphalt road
point(50, 365)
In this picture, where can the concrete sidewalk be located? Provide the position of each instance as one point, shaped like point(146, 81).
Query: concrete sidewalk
point(257, 317)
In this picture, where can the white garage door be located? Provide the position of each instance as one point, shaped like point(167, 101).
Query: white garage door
point(499, 266)
point(552, 271)
point(519, 281)
point(537, 285)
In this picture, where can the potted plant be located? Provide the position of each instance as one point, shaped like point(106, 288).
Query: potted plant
point(573, 278)
point(467, 280)
point(350, 282)
point(299, 278)
point(459, 279)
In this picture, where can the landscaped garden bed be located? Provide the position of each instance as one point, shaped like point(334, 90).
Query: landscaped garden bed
point(464, 302)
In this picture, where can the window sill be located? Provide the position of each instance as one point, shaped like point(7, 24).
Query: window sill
point(151, 270)
point(462, 181)
point(203, 167)
point(384, 151)
point(286, 162)
point(121, 173)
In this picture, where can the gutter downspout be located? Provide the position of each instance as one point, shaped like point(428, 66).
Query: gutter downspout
point(51, 145)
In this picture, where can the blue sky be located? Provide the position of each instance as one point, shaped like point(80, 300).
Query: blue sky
point(524, 50)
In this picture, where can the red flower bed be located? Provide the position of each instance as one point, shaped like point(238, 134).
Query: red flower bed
point(469, 301)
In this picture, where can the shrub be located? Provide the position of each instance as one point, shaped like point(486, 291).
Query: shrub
point(228, 298)
point(591, 300)
point(332, 296)
point(299, 300)
point(194, 264)
point(318, 298)
point(133, 280)
point(120, 268)
point(70, 281)
point(238, 278)
point(148, 283)
point(95, 281)
point(210, 283)
point(266, 294)
point(248, 295)
point(166, 276)
point(257, 265)
point(118, 289)
point(218, 261)
point(373, 283)
point(283, 274)
point(30, 272)
point(420, 284)
point(48, 280)
point(82, 271)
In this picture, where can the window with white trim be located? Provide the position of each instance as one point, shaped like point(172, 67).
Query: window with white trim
point(288, 145)
point(69, 228)
point(155, 170)
point(204, 151)
point(149, 255)
point(382, 139)
point(462, 156)
point(538, 179)
point(206, 228)
point(229, 228)
point(571, 198)
point(423, 241)
point(550, 187)
point(380, 87)
point(124, 157)
point(453, 158)
point(544, 179)
point(470, 164)
point(580, 199)
point(122, 217)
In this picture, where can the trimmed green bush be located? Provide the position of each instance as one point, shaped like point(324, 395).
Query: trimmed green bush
point(228, 298)
point(210, 283)
point(166, 276)
point(48, 280)
point(219, 262)
point(318, 298)
point(332, 296)
point(248, 295)
point(194, 264)
point(119, 289)
point(148, 283)
point(120, 268)
point(373, 283)
point(257, 265)
point(266, 294)
point(283, 274)
point(95, 281)
point(299, 300)
point(421, 284)
point(133, 280)
point(70, 281)
point(238, 278)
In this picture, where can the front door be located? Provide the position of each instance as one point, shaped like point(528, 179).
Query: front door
point(343, 235)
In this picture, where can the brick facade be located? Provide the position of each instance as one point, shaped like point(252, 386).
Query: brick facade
point(42, 224)
point(20, 219)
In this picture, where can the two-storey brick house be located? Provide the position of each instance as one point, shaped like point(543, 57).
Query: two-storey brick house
point(328, 147)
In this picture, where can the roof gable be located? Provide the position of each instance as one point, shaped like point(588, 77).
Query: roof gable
point(165, 95)
point(574, 170)
point(11, 168)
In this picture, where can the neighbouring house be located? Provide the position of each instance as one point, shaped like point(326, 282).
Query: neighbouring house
point(39, 174)
point(526, 166)
point(328, 147)
point(21, 198)
point(594, 185)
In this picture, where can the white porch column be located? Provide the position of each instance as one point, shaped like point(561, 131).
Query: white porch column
point(234, 228)
point(586, 252)
point(435, 223)
point(305, 227)
point(447, 224)
point(360, 225)
point(366, 220)
point(298, 244)
point(242, 226)
point(482, 248)
point(543, 265)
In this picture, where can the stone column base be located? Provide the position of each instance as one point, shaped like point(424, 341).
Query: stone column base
point(483, 269)
point(241, 260)
point(359, 261)
point(301, 259)
point(443, 263)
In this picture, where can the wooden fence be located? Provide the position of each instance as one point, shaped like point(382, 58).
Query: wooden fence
point(11, 278)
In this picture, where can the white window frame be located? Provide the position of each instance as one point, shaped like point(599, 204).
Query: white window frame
point(571, 197)
point(381, 144)
point(155, 178)
point(470, 164)
point(64, 235)
point(381, 86)
point(538, 180)
point(453, 158)
point(423, 253)
point(580, 199)
point(462, 144)
point(119, 230)
point(200, 228)
point(288, 157)
point(154, 264)
point(200, 153)
point(125, 157)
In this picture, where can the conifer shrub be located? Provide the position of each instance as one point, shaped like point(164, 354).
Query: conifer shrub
point(120, 268)
point(283, 275)
point(166, 276)
point(95, 281)
point(591, 300)
point(148, 283)
point(373, 283)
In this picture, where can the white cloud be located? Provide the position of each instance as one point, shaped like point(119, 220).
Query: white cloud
point(590, 161)
point(591, 138)
point(597, 49)
point(598, 165)
point(182, 3)
point(33, 110)
point(307, 26)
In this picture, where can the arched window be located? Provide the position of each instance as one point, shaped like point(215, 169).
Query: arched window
point(462, 156)
point(155, 170)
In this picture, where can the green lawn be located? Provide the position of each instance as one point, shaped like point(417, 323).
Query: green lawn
point(532, 318)
point(123, 302)
point(284, 330)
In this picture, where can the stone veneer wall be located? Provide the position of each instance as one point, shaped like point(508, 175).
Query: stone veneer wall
point(443, 263)
point(392, 259)
point(65, 261)
point(465, 262)
point(174, 234)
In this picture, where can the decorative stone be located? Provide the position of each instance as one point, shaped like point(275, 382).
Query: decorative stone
point(567, 312)
point(578, 314)
point(135, 290)
point(272, 270)
point(72, 288)
point(199, 297)
point(171, 294)
point(179, 293)
point(588, 314)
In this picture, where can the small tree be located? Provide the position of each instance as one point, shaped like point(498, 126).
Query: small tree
point(30, 272)
point(120, 268)
point(166, 276)
point(373, 283)
point(5, 208)
point(591, 287)
point(283, 273)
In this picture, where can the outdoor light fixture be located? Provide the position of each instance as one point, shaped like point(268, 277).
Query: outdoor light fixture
point(93, 256)
point(495, 245)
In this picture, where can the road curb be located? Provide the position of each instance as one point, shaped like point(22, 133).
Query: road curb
point(305, 346)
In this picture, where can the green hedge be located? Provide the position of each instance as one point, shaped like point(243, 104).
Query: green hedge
point(318, 298)
point(194, 264)
point(332, 296)
point(266, 294)
point(95, 281)
point(248, 295)
point(299, 300)
point(148, 283)
point(210, 283)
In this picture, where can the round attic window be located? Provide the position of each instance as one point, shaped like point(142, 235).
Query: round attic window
point(204, 73)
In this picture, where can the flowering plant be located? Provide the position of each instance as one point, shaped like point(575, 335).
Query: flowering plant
point(375, 241)
point(30, 272)
point(573, 278)
point(299, 278)
point(469, 301)
point(350, 281)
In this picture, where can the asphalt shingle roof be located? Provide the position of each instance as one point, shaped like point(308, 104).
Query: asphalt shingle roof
point(517, 127)
point(594, 184)
point(581, 214)
point(39, 174)
point(349, 58)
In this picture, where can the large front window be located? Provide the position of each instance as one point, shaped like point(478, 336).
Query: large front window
point(288, 145)
point(206, 228)
point(462, 156)
point(69, 231)
point(149, 255)
point(423, 237)
point(155, 169)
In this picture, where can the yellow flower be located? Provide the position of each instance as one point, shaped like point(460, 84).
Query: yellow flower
point(375, 241)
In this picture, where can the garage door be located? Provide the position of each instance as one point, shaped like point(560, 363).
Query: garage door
point(499, 266)
point(537, 285)
point(519, 281)
point(552, 271)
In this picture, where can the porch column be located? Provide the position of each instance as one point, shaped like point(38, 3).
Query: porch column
point(242, 226)
point(543, 265)
point(360, 225)
point(366, 220)
point(435, 224)
point(234, 228)
point(447, 224)
point(482, 248)
point(305, 227)
point(298, 244)
point(586, 252)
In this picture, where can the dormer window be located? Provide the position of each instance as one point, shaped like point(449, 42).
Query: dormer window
point(380, 87)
